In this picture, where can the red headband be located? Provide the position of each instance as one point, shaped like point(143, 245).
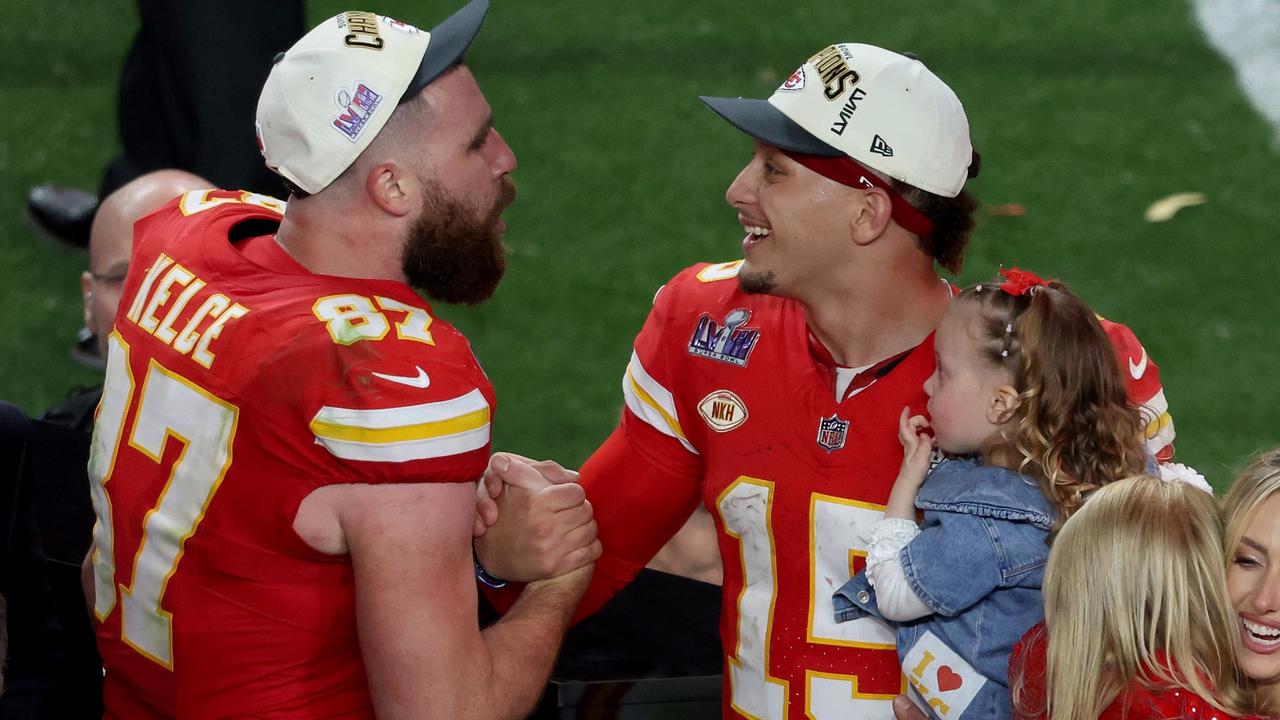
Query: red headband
point(847, 171)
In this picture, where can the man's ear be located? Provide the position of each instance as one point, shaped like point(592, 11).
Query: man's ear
point(390, 186)
point(871, 215)
point(1003, 402)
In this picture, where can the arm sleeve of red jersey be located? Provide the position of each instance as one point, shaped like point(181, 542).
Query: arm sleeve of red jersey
point(1142, 379)
point(639, 504)
point(651, 384)
point(424, 424)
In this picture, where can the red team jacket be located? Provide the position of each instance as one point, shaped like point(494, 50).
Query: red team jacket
point(730, 403)
point(1139, 701)
point(237, 384)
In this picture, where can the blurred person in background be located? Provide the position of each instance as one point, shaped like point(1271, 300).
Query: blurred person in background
point(54, 668)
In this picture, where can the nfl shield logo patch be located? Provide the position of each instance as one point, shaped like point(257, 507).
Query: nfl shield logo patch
point(832, 432)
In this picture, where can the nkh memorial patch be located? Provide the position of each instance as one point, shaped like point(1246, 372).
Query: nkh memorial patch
point(723, 410)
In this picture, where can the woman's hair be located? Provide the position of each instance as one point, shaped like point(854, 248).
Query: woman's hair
point(1251, 488)
point(1135, 589)
point(1073, 429)
point(1255, 484)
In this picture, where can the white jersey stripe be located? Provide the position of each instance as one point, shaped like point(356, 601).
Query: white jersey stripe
point(395, 417)
point(1158, 432)
point(410, 432)
point(652, 403)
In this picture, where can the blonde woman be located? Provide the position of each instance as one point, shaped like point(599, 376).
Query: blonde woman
point(1138, 623)
point(1252, 516)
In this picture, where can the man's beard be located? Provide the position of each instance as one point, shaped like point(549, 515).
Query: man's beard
point(757, 283)
point(453, 253)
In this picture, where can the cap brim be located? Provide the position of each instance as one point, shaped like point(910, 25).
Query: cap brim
point(767, 124)
point(449, 41)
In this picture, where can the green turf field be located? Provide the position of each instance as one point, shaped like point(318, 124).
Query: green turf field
point(1084, 112)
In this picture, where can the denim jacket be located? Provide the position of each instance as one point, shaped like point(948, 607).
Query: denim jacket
point(978, 563)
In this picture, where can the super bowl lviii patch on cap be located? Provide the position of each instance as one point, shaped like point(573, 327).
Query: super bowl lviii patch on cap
point(356, 107)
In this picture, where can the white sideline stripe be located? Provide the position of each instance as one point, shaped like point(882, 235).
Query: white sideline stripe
point(1247, 34)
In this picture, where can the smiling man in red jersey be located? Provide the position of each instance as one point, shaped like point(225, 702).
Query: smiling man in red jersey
point(769, 388)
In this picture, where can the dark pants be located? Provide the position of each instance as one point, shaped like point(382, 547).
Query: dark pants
point(189, 89)
point(46, 521)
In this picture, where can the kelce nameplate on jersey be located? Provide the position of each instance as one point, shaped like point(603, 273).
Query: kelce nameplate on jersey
point(730, 342)
point(156, 310)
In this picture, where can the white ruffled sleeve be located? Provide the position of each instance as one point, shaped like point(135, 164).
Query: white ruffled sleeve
point(894, 596)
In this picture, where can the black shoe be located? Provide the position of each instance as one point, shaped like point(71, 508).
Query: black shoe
point(61, 214)
point(85, 351)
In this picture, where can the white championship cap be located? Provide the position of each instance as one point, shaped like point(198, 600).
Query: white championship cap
point(885, 110)
point(330, 94)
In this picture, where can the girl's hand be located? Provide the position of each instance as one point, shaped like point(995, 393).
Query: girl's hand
point(917, 446)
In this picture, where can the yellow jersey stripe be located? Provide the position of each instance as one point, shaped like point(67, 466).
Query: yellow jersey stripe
point(1155, 426)
point(647, 399)
point(405, 433)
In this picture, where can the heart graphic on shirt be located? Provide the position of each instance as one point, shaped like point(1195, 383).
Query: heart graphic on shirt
point(948, 680)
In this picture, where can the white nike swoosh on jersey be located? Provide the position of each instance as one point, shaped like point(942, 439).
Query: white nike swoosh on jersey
point(1138, 369)
point(417, 381)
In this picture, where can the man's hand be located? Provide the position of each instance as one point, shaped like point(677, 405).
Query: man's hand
point(573, 583)
point(904, 709)
point(489, 489)
point(542, 529)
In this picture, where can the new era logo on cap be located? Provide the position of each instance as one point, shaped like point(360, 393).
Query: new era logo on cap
point(880, 147)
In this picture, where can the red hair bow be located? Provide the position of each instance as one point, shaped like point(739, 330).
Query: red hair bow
point(1021, 282)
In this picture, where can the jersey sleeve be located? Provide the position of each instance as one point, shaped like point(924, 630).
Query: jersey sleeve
point(652, 419)
point(1142, 379)
point(645, 480)
point(364, 416)
point(638, 507)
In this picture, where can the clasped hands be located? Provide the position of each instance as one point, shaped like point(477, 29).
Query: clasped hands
point(533, 520)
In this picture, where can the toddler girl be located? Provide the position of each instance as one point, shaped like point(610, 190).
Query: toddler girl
point(1029, 403)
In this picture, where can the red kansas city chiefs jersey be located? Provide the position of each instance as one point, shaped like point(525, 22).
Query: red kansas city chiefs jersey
point(237, 384)
point(733, 404)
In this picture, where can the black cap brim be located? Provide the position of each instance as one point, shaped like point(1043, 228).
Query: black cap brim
point(449, 41)
point(767, 124)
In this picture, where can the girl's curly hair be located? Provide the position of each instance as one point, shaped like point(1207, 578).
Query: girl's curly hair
point(1074, 429)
